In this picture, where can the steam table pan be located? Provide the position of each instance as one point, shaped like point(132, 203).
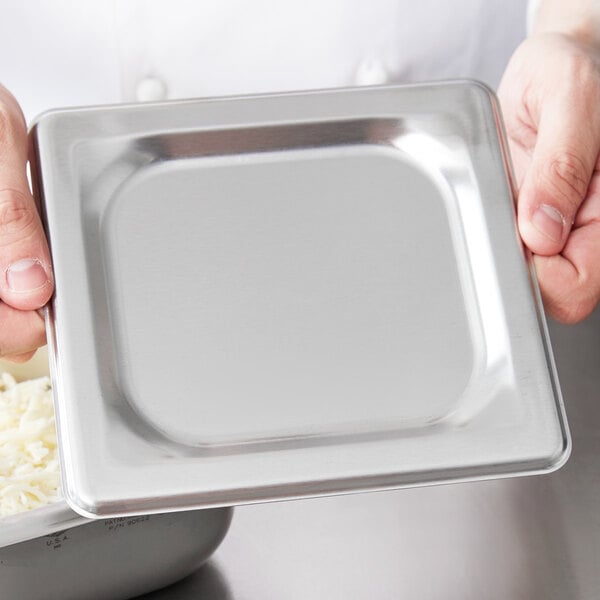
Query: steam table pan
point(52, 553)
point(290, 295)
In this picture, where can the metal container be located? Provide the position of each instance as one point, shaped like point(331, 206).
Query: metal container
point(290, 295)
point(52, 553)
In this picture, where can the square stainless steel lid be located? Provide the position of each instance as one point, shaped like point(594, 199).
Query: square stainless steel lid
point(290, 295)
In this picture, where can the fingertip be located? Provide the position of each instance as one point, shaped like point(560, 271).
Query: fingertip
point(543, 226)
point(553, 190)
point(549, 222)
point(542, 234)
point(28, 284)
point(26, 279)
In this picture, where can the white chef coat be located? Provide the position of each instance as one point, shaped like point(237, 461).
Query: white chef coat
point(69, 52)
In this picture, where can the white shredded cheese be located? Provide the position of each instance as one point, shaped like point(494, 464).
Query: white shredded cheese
point(29, 467)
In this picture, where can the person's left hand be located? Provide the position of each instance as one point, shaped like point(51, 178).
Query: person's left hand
point(550, 96)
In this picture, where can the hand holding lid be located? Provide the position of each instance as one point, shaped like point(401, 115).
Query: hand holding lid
point(26, 282)
point(550, 96)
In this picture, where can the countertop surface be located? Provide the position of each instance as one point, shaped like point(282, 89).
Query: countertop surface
point(530, 538)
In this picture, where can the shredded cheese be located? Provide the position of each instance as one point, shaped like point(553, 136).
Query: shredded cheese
point(29, 467)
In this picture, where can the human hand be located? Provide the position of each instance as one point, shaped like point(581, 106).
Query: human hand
point(26, 281)
point(550, 95)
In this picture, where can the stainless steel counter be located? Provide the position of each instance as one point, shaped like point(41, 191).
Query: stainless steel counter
point(535, 538)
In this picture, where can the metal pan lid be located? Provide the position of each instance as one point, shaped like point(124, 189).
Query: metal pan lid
point(290, 295)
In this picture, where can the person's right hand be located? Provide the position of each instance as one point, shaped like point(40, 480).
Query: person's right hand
point(26, 281)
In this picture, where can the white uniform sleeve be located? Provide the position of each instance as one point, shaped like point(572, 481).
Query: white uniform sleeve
point(532, 8)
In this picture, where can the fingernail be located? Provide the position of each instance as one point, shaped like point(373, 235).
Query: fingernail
point(26, 275)
point(549, 222)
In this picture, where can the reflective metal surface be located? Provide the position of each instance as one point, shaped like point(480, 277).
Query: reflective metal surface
point(535, 538)
point(111, 559)
point(292, 295)
point(53, 553)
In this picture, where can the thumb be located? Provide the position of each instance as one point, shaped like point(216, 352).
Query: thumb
point(556, 183)
point(26, 279)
